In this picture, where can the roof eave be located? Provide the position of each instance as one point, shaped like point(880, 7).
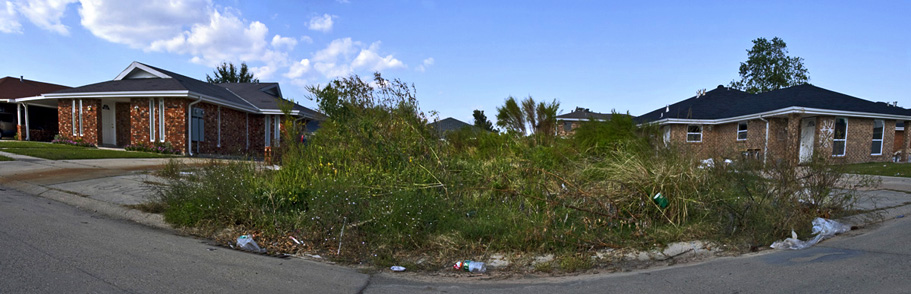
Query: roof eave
point(780, 112)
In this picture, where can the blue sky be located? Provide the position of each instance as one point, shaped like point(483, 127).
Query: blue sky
point(464, 55)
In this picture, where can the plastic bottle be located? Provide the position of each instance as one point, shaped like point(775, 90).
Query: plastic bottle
point(470, 266)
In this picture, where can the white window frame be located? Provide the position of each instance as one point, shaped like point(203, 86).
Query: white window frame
point(73, 118)
point(688, 133)
point(161, 134)
point(278, 130)
point(151, 119)
point(81, 133)
point(744, 131)
point(836, 140)
point(882, 132)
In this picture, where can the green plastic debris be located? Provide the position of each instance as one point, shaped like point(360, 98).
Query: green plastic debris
point(660, 200)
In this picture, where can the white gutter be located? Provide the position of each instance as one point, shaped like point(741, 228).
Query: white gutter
point(765, 150)
point(190, 126)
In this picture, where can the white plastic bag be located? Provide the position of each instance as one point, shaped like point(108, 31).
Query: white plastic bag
point(823, 228)
point(246, 242)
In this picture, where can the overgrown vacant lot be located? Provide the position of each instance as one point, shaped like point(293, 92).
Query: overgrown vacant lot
point(376, 186)
point(62, 151)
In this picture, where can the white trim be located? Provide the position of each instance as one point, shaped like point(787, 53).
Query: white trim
point(882, 134)
point(161, 116)
point(81, 133)
point(28, 132)
point(783, 111)
point(845, 140)
point(73, 117)
point(579, 119)
point(144, 94)
point(151, 120)
point(143, 67)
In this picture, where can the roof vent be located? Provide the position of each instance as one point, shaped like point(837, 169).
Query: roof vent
point(720, 87)
point(22, 79)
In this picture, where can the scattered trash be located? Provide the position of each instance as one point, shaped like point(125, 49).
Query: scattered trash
point(660, 200)
point(900, 216)
point(295, 240)
point(708, 163)
point(823, 228)
point(728, 161)
point(187, 173)
point(470, 266)
point(211, 249)
point(246, 242)
point(396, 268)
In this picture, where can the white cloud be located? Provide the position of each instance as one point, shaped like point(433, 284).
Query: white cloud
point(369, 58)
point(8, 21)
point(140, 23)
point(427, 63)
point(298, 69)
point(283, 42)
point(321, 23)
point(307, 39)
point(45, 14)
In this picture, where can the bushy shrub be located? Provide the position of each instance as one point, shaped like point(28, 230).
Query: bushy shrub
point(58, 139)
point(156, 147)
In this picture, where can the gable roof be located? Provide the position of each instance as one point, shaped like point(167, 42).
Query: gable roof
point(450, 124)
point(11, 88)
point(580, 114)
point(142, 80)
point(722, 105)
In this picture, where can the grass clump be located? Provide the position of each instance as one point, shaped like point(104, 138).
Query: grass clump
point(375, 185)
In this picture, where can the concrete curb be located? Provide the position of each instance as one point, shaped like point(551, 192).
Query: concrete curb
point(85, 203)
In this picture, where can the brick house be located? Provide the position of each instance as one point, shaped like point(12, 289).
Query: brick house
point(148, 105)
point(786, 124)
point(31, 120)
point(568, 122)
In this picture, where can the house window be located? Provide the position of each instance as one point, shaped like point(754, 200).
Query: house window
point(268, 123)
point(278, 130)
point(567, 126)
point(742, 131)
point(841, 136)
point(80, 118)
point(876, 147)
point(198, 125)
point(151, 120)
point(73, 117)
point(161, 119)
point(694, 133)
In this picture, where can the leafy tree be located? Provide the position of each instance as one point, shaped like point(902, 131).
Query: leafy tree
point(481, 121)
point(227, 73)
point(768, 67)
point(539, 118)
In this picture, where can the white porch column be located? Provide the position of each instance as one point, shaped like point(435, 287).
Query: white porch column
point(27, 131)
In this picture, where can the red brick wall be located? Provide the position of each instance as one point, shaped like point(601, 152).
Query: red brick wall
point(123, 123)
point(91, 120)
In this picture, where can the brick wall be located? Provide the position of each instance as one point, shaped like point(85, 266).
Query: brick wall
point(123, 123)
point(91, 120)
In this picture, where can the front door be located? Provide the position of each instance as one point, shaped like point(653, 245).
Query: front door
point(807, 138)
point(108, 127)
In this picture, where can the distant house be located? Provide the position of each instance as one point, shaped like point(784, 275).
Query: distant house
point(149, 105)
point(566, 123)
point(441, 127)
point(785, 124)
point(41, 124)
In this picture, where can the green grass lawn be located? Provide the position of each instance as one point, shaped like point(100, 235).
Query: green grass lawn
point(880, 169)
point(61, 151)
point(4, 158)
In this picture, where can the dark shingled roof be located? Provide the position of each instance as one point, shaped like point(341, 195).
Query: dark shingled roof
point(450, 124)
point(262, 96)
point(11, 87)
point(584, 114)
point(726, 103)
